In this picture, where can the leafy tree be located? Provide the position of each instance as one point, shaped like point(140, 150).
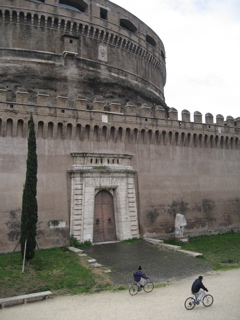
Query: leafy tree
point(29, 216)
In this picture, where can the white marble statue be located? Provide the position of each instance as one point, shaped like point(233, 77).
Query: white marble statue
point(180, 223)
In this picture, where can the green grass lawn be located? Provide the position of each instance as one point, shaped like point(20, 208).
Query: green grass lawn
point(58, 270)
point(223, 250)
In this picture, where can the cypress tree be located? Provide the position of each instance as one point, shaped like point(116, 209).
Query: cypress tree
point(29, 216)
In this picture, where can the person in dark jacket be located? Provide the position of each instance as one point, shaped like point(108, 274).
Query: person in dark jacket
point(139, 276)
point(198, 288)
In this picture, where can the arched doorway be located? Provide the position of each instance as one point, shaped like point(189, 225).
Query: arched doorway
point(90, 181)
point(104, 222)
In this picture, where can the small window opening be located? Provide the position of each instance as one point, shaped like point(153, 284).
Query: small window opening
point(150, 40)
point(76, 5)
point(63, 111)
point(103, 14)
point(126, 24)
point(163, 55)
point(70, 41)
point(11, 105)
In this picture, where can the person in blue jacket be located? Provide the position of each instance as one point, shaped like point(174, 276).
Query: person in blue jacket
point(139, 277)
point(198, 288)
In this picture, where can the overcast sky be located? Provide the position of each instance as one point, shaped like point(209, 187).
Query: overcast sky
point(202, 43)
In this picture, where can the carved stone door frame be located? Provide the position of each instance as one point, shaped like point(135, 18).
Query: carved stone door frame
point(92, 172)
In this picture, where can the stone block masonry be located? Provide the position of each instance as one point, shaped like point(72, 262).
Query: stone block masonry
point(93, 77)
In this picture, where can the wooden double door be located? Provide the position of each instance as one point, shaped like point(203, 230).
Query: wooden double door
point(104, 228)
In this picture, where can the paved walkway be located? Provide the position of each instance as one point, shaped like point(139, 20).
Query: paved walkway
point(159, 264)
point(162, 303)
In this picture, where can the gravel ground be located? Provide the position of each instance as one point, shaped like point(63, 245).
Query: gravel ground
point(162, 303)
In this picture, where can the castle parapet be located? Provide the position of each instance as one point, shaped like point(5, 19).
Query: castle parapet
point(62, 102)
point(81, 103)
point(22, 95)
point(69, 123)
point(237, 120)
point(185, 115)
point(3, 94)
point(208, 118)
point(43, 99)
point(146, 111)
point(230, 121)
point(68, 106)
point(115, 107)
point(173, 114)
point(160, 112)
point(98, 104)
point(131, 108)
point(220, 120)
point(197, 117)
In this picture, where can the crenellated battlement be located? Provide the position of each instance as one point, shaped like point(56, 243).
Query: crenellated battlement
point(98, 103)
point(110, 120)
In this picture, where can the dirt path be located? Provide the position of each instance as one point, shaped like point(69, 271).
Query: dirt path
point(163, 303)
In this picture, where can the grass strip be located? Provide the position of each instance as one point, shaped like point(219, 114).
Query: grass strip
point(58, 270)
point(222, 250)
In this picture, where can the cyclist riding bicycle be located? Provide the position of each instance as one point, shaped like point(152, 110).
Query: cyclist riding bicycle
point(139, 277)
point(198, 289)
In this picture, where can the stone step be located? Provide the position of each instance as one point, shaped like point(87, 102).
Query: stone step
point(191, 253)
point(173, 247)
point(92, 260)
point(107, 242)
point(170, 246)
point(97, 265)
point(107, 271)
point(153, 241)
point(76, 250)
point(82, 255)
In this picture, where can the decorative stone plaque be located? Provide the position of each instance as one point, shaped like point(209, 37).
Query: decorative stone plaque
point(102, 52)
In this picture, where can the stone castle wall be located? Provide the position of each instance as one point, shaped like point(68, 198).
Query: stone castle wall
point(57, 49)
point(184, 166)
point(93, 77)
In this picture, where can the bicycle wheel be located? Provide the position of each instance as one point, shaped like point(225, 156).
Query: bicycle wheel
point(189, 303)
point(207, 300)
point(133, 289)
point(148, 287)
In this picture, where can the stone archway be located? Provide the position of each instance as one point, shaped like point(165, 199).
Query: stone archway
point(104, 228)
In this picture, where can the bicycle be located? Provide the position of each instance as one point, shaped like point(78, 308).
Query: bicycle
point(147, 287)
point(191, 302)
